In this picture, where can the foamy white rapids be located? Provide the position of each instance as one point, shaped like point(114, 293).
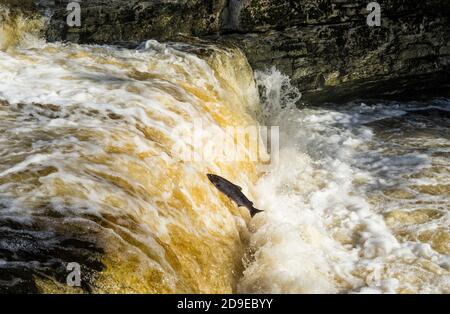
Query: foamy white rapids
point(88, 173)
point(331, 214)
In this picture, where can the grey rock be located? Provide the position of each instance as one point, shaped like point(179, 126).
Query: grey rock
point(325, 46)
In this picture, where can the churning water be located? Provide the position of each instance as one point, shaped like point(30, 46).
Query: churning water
point(358, 202)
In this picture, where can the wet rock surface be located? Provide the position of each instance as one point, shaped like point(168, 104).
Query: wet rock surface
point(325, 46)
point(330, 52)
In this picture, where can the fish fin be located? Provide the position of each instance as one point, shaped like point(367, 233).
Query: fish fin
point(244, 204)
point(238, 187)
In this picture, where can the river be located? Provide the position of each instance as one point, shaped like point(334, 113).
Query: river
point(357, 201)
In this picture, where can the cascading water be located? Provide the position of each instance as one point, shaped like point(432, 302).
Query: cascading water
point(233, 12)
point(88, 173)
point(358, 201)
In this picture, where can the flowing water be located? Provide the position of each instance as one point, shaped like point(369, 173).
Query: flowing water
point(357, 202)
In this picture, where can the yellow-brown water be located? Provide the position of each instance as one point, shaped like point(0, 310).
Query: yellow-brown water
point(358, 202)
point(88, 174)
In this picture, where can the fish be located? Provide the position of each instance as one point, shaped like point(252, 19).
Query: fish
point(234, 192)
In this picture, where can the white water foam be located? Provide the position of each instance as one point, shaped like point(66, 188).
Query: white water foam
point(87, 136)
point(320, 232)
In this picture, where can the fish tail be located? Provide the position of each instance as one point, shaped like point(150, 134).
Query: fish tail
point(254, 211)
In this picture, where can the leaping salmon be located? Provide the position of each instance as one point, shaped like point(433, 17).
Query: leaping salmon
point(234, 192)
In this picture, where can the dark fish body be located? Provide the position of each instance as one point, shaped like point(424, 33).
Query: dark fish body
point(234, 192)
